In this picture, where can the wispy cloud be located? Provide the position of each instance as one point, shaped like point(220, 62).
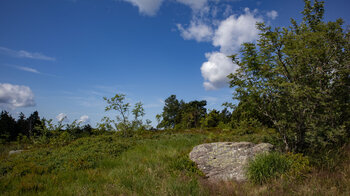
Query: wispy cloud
point(109, 89)
point(28, 69)
point(89, 100)
point(25, 54)
point(158, 104)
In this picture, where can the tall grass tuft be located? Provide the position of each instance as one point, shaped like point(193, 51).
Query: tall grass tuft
point(268, 166)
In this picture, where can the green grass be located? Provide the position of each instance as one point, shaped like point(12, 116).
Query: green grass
point(152, 164)
point(267, 166)
point(107, 165)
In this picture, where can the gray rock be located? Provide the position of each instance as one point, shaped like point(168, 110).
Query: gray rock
point(15, 152)
point(226, 160)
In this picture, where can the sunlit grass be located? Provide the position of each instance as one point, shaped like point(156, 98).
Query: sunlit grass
point(148, 164)
point(106, 165)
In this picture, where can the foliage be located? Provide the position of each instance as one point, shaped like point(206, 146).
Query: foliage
point(181, 115)
point(138, 112)
point(117, 103)
point(33, 123)
point(212, 119)
point(122, 122)
point(298, 79)
point(11, 130)
point(299, 168)
point(171, 112)
point(192, 113)
point(7, 123)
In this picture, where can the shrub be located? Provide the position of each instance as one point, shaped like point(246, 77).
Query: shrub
point(299, 167)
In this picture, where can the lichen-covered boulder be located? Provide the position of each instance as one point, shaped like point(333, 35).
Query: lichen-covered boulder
point(226, 160)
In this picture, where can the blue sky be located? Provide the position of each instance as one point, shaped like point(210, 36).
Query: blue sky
point(63, 56)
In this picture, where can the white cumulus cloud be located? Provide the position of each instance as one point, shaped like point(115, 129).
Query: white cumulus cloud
point(234, 31)
point(14, 96)
point(272, 14)
point(227, 34)
point(230, 34)
point(61, 117)
point(83, 119)
point(25, 54)
point(197, 31)
point(148, 7)
point(216, 69)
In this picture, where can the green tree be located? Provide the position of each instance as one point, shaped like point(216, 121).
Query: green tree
point(138, 112)
point(122, 123)
point(22, 125)
point(225, 116)
point(171, 112)
point(180, 115)
point(212, 119)
point(34, 122)
point(117, 103)
point(8, 130)
point(159, 120)
point(192, 114)
point(298, 78)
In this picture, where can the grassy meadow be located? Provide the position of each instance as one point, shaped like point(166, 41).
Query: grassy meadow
point(149, 163)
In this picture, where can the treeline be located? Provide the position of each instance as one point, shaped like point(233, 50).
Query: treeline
point(11, 129)
point(176, 114)
point(181, 115)
point(36, 129)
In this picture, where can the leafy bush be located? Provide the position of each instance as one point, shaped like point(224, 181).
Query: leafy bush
point(299, 167)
